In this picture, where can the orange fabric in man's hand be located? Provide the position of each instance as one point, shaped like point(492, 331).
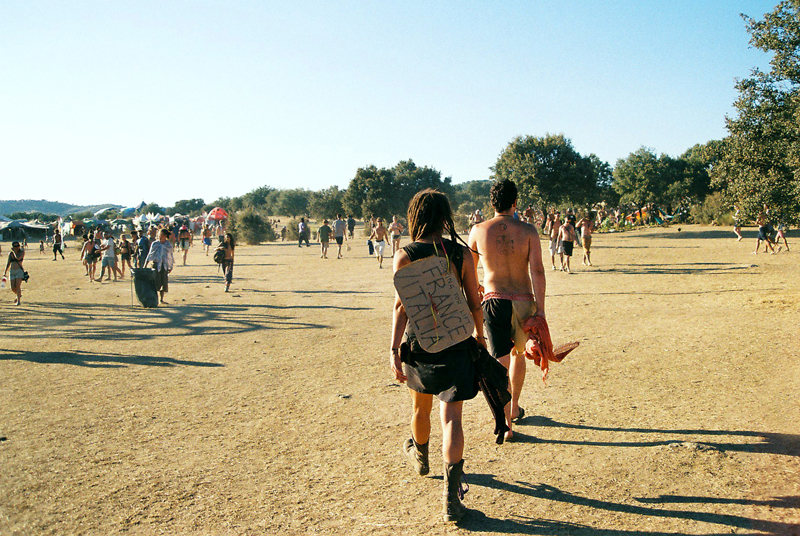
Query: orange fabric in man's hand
point(539, 346)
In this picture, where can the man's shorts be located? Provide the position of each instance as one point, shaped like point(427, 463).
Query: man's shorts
point(207, 241)
point(503, 320)
point(587, 243)
point(109, 262)
point(554, 246)
point(339, 240)
point(568, 246)
point(379, 247)
point(186, 243)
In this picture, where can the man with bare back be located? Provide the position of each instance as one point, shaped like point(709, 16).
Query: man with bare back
point(514, 281)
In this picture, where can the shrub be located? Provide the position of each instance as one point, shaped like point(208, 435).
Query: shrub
point(713, 209)
point(253, 228)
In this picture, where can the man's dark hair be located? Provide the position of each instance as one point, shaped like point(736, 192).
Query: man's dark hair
point(503, 195)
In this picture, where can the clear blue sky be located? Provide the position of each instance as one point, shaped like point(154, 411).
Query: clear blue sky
point(124, 101)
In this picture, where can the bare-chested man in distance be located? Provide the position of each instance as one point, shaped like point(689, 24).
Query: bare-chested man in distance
point(513, 277)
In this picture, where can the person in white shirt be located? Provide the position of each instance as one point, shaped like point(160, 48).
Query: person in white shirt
point(109, 257)
point(163, 261)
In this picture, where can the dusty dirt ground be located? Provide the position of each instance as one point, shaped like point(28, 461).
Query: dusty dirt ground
point(272, 409)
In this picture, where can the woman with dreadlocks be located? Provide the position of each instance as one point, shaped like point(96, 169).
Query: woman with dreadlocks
point(449, 373)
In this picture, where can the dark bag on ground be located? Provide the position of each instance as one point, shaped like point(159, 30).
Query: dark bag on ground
point(144, 281)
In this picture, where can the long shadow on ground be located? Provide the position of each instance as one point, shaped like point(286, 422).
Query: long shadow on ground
point(477, 521)
point(768, 442)
point(101, 322)
point(98, 360)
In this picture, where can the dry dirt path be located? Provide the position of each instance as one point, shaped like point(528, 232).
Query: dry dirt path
point(272, 409)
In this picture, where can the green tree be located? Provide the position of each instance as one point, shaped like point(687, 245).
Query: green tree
point(152, 208)
point(188, 207)
point(410, 179)
point(369, 192)
point(259, 198)
point(639, 179)
point(547, 171)
point(293, 202)
point(760, 164)
point(326, 203)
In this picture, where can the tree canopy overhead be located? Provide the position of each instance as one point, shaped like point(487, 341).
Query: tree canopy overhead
point(760, 165)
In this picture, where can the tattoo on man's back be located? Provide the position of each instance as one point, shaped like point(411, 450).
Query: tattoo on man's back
point(505, 245)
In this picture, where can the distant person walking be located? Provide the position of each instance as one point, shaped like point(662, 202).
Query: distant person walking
point(303, 232)
point(58, 245)
point(339, 230)
point(396, 229)
point(324, 234)
point(351, 225)
point(552, 227)
point(737, 225)
point(566, 236)
point(125, 251)
point(163, 261)
point(586, 226)
point(14, 263)
point(228, 246)
point(379, 233)
point(185, 236)
point(206, 233)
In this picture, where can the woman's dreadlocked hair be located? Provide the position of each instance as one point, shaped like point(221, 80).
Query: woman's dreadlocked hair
point(428, 213)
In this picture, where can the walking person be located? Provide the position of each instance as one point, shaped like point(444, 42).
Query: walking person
point(125, 251)
point(339, 230)
point(324, 234)
point(448, 374)
point(514, 281)
point(737, 225)
point(396, 228)
point(566, 236)
point(303, 231)
point(379, 233)
point(58, 245)
point(185, 236)
point(586, 226)
point(163, 261)
point(228, 246)
point(552, 227)
point(17, 276)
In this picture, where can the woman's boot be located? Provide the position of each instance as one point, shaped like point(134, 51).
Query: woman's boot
point(452, 509)
point(418, 456)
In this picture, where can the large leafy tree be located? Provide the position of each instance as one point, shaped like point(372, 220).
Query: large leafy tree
point(761, 156)
point(641, 178)
point(370, 192)
point(293, 202)
point(547, 171)
point(325, 203)
point(410, 179)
